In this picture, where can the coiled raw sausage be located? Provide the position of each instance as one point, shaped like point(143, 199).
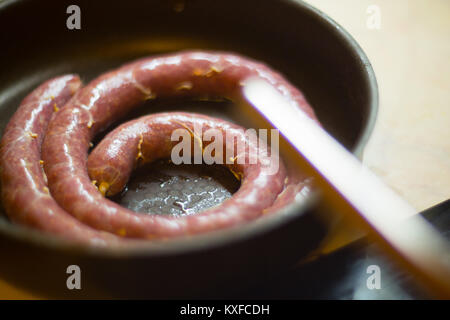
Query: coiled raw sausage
point(67, 134)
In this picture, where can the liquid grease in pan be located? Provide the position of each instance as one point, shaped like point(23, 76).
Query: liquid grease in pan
point(165, 188)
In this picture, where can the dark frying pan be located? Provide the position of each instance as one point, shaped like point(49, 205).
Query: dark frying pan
point(310, 49)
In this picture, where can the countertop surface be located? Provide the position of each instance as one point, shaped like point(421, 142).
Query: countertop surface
point(407, 43)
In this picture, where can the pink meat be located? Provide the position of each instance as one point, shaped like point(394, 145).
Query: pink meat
point(25, 194)
point(70, 204)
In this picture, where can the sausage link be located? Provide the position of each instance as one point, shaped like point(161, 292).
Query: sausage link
point(147, 139)
point(25, 194)
point(112, 95)
point(46, 173)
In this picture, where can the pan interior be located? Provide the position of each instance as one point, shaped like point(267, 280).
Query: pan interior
point(311, 54)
